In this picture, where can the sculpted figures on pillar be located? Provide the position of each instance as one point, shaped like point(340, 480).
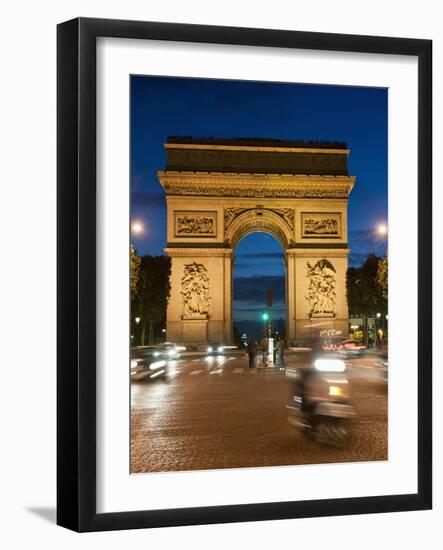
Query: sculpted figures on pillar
point(321, 295)
point(195, 290)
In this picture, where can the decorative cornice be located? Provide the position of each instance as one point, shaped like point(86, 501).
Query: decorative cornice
point(322, 251)
point(320, 245)
point(266, 149)
point(219, 184)
point(195, 245)
point(187, 252)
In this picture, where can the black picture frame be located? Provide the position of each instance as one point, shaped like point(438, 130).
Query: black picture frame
point(76, 264)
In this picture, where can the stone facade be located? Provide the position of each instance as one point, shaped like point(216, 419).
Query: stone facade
point(209, 212)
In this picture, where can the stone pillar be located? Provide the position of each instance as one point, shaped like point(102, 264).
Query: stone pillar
point(290, 295)
point(228, 261)
point(192, 270)
point(310, 323)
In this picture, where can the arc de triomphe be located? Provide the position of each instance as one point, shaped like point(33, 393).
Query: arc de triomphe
point(218, 191)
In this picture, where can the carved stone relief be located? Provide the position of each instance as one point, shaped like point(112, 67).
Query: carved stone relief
point(321, 295)
point(321, 225)
point(192, 224)
point(231, 214)
point(195, 291)
point(287, 215)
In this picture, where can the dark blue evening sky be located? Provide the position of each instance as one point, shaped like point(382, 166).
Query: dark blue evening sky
point(162, 106)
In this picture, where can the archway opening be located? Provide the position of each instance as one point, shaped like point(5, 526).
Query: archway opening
point(259, 287)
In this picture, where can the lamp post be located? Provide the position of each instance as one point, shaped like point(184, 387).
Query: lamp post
point(265, 319)
point(137, 322)
point(378, 330)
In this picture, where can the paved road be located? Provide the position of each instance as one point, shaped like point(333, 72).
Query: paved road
point(215, 413)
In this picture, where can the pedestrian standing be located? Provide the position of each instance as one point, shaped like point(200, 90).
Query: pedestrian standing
point(252, 352)
point(281, 350)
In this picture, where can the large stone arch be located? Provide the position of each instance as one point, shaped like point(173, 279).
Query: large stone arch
point(258, 219)
point(219, 191)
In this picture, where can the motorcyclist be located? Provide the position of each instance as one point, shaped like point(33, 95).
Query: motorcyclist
point(305, 373)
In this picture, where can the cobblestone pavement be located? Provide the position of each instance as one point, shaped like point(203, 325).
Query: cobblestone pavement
point(213, 413)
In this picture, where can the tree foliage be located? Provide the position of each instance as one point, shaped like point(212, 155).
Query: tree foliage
point(152, 291)
point(135, 271)
point(366, 295)
point(382, 276)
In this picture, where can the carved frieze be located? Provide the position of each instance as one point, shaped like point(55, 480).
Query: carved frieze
point(321, 225)
point(195, 291)
point(195, 224)
point(321, 294)
point(332, 191)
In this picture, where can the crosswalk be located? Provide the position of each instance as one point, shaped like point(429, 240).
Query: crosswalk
point(213, 368)
point(218, 371)
point(196, 372)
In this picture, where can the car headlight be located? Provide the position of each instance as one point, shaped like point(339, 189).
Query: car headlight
point(220, 349)
point(134, 363)
point(210, 350)
point(330, 365)
point(156, 353)
point(172, 352)
point(157, 365)
point(335, 391)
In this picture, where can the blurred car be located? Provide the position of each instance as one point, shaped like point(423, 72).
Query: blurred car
point(383, 363)
point(170, 350)
point(384, 370)
point(215, 348)
point(349, 347)
point(148, 363)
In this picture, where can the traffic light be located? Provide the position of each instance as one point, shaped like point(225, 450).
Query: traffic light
point(265, 316)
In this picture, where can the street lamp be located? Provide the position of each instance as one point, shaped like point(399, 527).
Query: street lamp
point(137, 228)
point(137, 322)
point(382, 229)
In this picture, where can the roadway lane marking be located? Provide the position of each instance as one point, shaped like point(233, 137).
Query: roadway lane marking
point(195, 372)
point(237, 370)
point(216, 371)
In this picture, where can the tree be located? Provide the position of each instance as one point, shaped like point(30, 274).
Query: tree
point(382, 277)
point(365, 293)
point(152, 294)
point(135, 271)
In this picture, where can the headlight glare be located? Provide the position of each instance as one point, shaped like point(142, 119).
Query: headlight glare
point(330, 365)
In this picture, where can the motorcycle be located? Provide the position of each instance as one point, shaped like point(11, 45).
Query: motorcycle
point(321, 405)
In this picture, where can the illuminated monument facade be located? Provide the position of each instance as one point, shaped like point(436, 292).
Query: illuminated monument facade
point(218, 191)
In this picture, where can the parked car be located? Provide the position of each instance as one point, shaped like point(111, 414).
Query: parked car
point(148, 363)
